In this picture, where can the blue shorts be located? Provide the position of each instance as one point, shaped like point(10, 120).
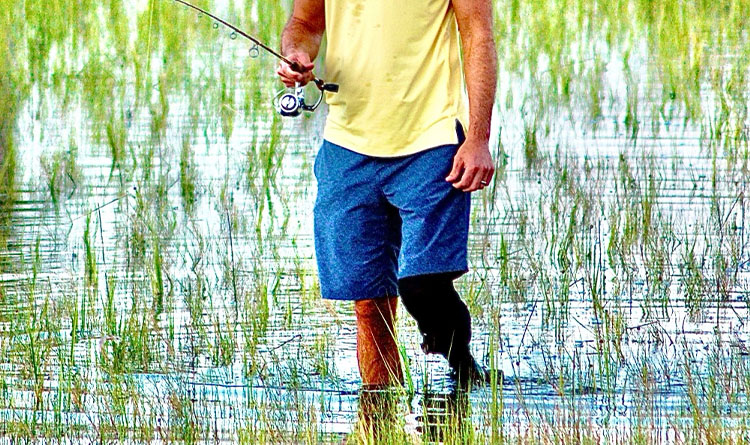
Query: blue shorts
point(381, 219)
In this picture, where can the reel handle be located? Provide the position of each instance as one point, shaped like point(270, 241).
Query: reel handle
point(323, 86)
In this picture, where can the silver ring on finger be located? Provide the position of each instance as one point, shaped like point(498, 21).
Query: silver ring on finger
point(485, 183)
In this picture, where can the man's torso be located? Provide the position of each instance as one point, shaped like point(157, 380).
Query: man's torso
point(399, 69)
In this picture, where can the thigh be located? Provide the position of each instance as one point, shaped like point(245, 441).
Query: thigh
point(357, 232)
point(435, 215)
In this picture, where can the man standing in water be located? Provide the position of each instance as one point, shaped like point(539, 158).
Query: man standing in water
point(396, 168)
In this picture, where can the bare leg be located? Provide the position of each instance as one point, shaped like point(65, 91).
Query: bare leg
point(377, 352)
point(379, 366)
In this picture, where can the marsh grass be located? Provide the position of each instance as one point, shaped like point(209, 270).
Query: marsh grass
point(610, 267)
point(188, 177)
point(62, 173)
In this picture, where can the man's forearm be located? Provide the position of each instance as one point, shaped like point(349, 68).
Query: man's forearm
point(299, 36)
point(300, 42)
point(480, 71)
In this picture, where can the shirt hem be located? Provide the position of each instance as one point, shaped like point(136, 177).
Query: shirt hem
point(442, 132)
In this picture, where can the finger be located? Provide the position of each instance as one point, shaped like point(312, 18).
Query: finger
point(289, 82)
point(301, 66)
point(488, 177)
point(455, 170)
point(299, 62)
point(295, 66)
point(478, 182)
point(467, 179)
point(301, 73)
point(306, 77)
point(286, 71)
point(291, 77)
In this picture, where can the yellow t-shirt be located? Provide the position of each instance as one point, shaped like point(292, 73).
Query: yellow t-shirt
point(401, 82)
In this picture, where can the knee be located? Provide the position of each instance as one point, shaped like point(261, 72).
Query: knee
point(421, 293)
point(376, 308)
point(410, 285)
point(424, 284)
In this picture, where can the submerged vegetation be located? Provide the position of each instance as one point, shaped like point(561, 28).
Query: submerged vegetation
point(156, 272)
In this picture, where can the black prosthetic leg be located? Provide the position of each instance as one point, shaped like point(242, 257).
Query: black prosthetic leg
point(444, 321)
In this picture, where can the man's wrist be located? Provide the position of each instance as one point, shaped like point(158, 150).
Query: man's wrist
point(475, 145)
point(481, 136)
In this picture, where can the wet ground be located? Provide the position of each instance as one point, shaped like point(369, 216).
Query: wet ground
point(157, 272)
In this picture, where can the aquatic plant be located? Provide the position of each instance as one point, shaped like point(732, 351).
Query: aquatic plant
point(157, 283)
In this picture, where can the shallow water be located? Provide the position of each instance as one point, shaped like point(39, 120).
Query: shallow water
point(610, 267)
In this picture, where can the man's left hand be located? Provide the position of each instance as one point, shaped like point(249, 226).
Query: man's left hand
point(472, 166)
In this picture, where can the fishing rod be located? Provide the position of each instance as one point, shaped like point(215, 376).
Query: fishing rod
point(287, 104)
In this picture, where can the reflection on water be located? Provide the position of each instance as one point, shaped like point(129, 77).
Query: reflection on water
point(378, 415)
point(443, 415)
point(157, 277)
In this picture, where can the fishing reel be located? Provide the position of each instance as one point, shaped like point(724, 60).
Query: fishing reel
point(292, 103)
point(287, 104)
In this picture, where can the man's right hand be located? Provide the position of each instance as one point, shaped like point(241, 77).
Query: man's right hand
point(303, 72)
